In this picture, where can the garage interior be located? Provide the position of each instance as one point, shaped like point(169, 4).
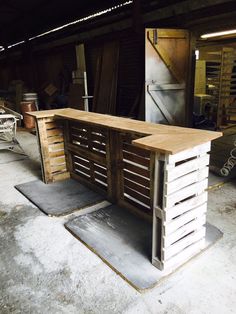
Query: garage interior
point(144, 60)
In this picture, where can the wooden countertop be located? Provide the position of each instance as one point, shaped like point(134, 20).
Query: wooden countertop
point(159, 137)
point(45, 113)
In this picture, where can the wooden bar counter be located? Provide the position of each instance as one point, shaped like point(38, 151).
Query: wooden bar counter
point(157, 171)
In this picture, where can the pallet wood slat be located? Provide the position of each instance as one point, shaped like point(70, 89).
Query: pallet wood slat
point(79, 141)
point(184, 255)
point(99, 146)
point(187, 167)
point(136, 178)
point(183, 231)
point(136, 195)
point(100, 169)
point(195, 151)
point(184, 193)
point(54, 132)
point(58, 153)
point(136, 159)
point(57, 139)
point(182, 207)
point(51, 142)
point(190, 178)
point(58, 168)
point(58, 160)
point(136, 150)
point(100, 177)
point(183, 243)
point(135, 203)
point(82, 161)
point(136, 169)
point(51, 125)
point(56, 147)
point(174, 224)
point(87, 154)
point(136, 187)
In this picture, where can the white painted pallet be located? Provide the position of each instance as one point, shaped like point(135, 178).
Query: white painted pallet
point(180, 206)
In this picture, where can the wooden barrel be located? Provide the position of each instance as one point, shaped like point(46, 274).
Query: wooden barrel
point(27, 106)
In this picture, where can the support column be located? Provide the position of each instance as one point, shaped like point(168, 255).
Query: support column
point(180, 205)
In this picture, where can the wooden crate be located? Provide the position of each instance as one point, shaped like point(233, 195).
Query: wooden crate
point(51, 146)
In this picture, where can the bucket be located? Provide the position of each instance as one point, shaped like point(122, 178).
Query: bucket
point(28, 106)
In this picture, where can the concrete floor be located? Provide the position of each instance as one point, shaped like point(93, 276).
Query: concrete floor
point(44, 269)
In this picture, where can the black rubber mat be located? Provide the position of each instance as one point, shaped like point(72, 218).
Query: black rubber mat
point(124, 242)
point(59, 198)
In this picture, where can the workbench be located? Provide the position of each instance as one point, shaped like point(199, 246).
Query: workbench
point(158, 172)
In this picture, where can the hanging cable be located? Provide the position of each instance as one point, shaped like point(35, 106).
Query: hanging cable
point(230, 163)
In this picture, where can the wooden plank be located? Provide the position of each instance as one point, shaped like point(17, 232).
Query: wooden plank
point(87, 154)
point(58, 168)
point(56, 147)
point(171, 143)
point(137, 196)
point(80, 161)
point(54, 132)
point(61, 176)
point(51, 125)
point(195, 151)
point(58, 153)
point(45, 113)
point(100, 177)
point(57, 161)
point(187, 167)
point(136, 169)
point(79, 133)
point(183, 243)
point(166, 59)
point(136, 150)
point(196, 188)
point(100, 169)
point(69, 160)
point(43, 143)
point(98, 137)
point(136, 178)
point(81, 141)
point(183, 231)
point(179, 209)
point(97, 146)
point(85, 180)
point(55, 139)
point(174, 186)
point(174, 224)
point(184, 255)
point(139, 188)
point(136, 159)
point(170, 135)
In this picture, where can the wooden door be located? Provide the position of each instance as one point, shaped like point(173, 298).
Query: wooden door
point(167, 76)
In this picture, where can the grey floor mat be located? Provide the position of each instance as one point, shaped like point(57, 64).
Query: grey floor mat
point(124, 241)
point(59, 198)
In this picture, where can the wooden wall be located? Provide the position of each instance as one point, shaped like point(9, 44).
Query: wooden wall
point(38, 68)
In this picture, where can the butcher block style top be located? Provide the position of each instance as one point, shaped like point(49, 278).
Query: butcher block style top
point(161, 138)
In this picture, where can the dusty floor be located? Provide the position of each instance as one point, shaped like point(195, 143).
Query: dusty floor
point(44, 269)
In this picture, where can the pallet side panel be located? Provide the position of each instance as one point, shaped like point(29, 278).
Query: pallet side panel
point(51, 144)
point(183, 205)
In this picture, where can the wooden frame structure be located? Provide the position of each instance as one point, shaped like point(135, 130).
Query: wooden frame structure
point(157, 171)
